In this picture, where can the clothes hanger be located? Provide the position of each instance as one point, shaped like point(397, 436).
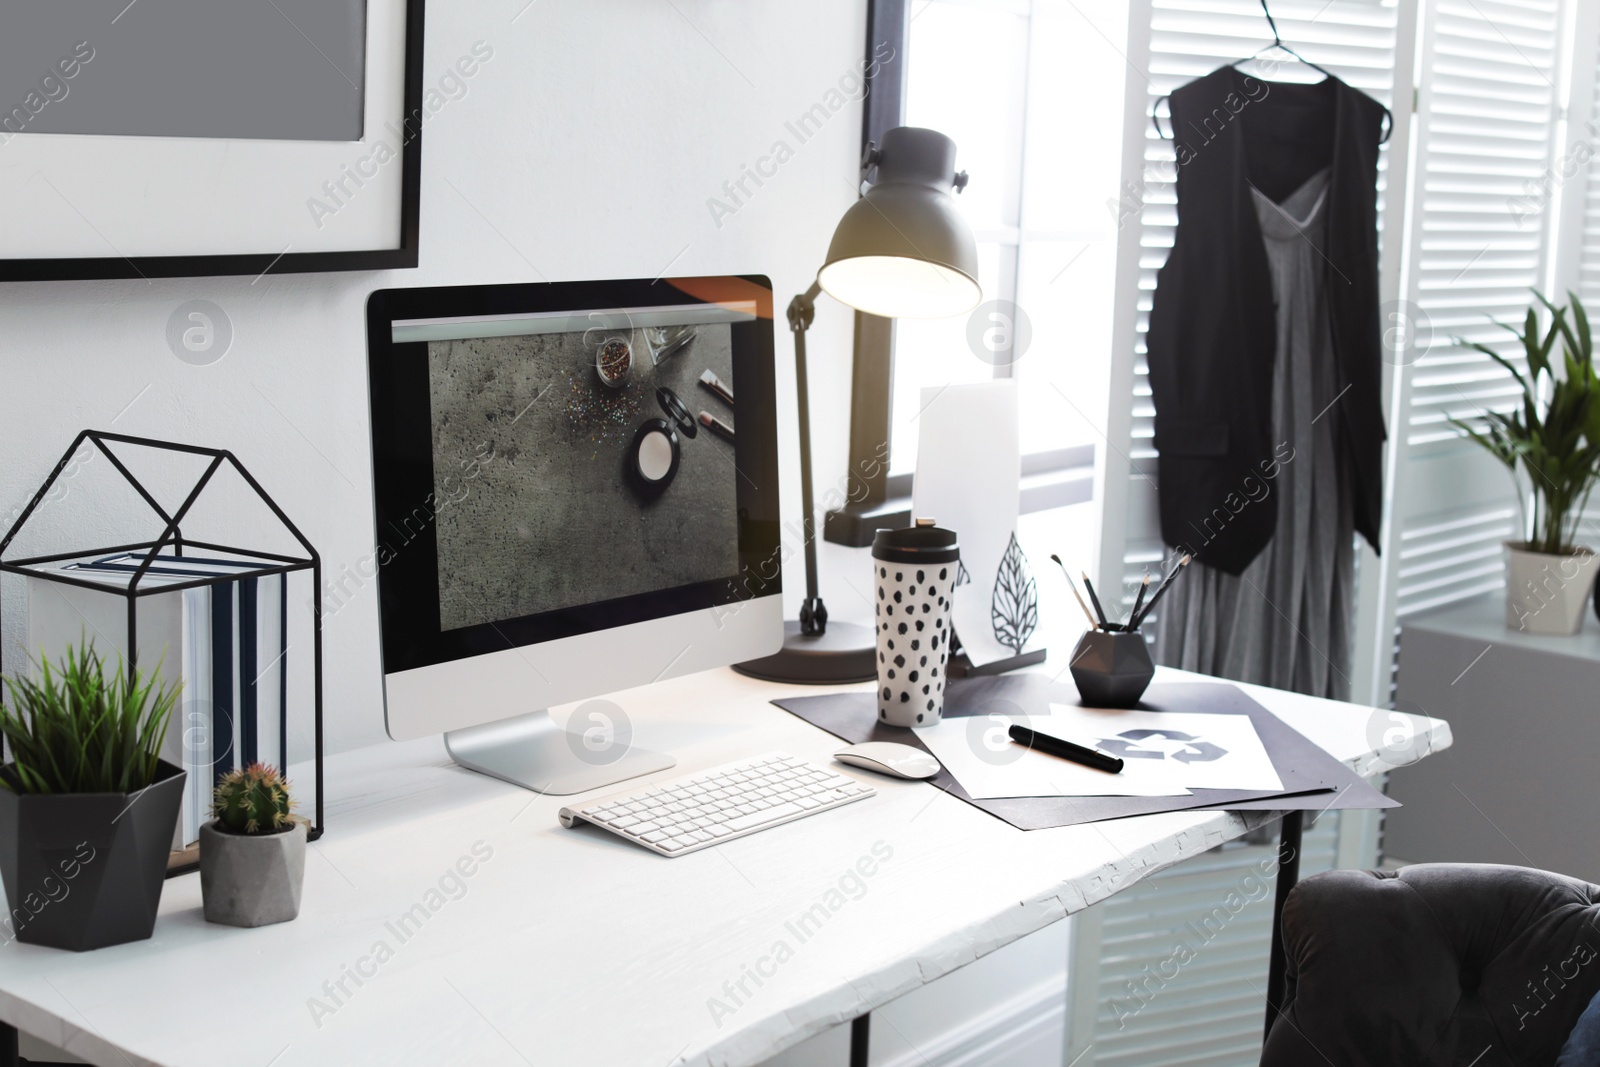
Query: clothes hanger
point(1279, 44)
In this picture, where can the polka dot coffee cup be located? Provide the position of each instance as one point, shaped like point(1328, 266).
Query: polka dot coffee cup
point(915, 573)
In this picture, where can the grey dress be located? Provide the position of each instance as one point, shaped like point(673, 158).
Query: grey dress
point(1285, 621)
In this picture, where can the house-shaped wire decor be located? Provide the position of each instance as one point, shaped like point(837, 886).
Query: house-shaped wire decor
point(243, 617)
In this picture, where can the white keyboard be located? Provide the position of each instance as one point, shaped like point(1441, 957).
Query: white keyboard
point(687, 814)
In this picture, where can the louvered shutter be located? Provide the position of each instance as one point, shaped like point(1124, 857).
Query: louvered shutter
point(1211, 1013)
point(1186, 39)
point(1485, 129)
point(1575, 179)
point(1173, 970)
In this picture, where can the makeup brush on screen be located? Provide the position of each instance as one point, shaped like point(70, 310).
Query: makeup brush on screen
point(716, 426)
point(1093, 625)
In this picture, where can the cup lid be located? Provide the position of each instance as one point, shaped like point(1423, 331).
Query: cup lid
point(923, 540)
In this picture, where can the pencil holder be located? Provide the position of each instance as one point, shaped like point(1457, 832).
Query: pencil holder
point(1112, 669)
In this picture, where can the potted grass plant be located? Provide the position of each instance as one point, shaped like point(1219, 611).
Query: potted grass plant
point(1550, 442)
point(87, 807)
point(253, 852)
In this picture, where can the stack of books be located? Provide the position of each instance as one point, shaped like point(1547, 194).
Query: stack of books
point(226, 643)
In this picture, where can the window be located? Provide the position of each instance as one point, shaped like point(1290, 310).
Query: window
point(1031, 95)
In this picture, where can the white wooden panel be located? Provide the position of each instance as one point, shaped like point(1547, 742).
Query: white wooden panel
point(1174, 971)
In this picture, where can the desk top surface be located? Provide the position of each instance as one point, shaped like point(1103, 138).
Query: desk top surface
point(449, 919)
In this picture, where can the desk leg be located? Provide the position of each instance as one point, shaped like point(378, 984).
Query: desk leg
point(8, 1046)
point(1288, 875)
point(860, 1038)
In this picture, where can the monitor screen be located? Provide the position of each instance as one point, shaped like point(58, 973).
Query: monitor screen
point(580, 461)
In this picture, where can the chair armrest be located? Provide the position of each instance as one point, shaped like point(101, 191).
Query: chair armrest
point(1436, 963)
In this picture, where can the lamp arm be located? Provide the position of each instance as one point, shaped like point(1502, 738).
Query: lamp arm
point(802, 310)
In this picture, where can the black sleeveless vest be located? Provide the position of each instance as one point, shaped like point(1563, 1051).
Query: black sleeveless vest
point(1212, 337)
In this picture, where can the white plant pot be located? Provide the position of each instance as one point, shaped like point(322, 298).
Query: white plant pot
point(1548, 594)
point(251, 879)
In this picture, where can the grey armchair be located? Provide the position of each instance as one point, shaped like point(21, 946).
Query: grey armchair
point(1443, 963)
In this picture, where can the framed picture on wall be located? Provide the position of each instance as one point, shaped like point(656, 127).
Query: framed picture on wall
point(179, 138)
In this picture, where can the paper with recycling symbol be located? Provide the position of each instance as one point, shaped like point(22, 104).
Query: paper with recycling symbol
point(977, 750)
point(1164, 753)
point(1191, 749)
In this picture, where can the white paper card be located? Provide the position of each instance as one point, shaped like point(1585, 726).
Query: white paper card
point(969, 467)
point(1192, 749)
point(988, 764)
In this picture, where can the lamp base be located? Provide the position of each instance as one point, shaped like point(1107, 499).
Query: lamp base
point(846, 653)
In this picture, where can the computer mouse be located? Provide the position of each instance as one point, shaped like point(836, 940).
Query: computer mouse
point(887, 757)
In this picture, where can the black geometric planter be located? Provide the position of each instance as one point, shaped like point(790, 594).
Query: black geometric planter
point(84, 870)
point(1112, 670)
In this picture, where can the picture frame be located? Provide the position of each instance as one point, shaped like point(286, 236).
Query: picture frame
point(146, 204)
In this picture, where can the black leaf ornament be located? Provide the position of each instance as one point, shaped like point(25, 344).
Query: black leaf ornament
point(1014, 610)
point(964, 577)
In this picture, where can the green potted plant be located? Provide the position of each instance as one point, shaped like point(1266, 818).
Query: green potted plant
point(253, 852)
point(87, 807)
point(1550, 442)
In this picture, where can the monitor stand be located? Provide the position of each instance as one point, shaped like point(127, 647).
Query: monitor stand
point(535, 753)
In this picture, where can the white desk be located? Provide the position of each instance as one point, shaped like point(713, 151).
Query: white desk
point(573, 947)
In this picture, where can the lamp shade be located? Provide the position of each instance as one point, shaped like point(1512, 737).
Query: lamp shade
point(903, 250)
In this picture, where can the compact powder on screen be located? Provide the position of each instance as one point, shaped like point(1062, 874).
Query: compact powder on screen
point(655, 456)
point(652, 462)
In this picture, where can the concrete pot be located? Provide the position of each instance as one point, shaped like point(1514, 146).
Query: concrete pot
point(252, 879)
point(1545, 593)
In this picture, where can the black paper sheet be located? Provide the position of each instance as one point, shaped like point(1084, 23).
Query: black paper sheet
point(1312, 779)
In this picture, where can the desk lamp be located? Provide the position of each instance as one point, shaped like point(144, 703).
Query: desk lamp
point(901, 251)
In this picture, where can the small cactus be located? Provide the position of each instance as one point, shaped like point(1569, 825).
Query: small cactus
point(254, 800)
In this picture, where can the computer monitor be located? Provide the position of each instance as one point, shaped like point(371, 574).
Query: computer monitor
point(575, 493)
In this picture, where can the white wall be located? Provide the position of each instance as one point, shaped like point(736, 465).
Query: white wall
point(586, 147)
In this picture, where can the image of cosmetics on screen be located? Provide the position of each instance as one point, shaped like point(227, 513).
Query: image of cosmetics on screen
point(572, 437)
point(716, 386)
point(667, 341)
point(653, 458)
point(716, 426)
point(675, 410)
point(652, 461)
point(613, 360)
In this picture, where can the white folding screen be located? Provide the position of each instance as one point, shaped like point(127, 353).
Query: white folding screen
point(1210, 1014)
point(1574, 184)
point(1365, 42)
point(1463, 242)
point(1480, 199)
point(1488, 103)
point(1173, 970)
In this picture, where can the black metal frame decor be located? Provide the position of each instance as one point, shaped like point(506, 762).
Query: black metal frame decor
point(172, 537)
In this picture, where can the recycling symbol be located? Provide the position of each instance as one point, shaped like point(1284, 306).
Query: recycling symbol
point(1191, 750)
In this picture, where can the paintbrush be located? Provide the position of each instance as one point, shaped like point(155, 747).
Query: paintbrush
point(1160, 589)
point(1098, 610)
point(1093, 625)
point(1138, 599)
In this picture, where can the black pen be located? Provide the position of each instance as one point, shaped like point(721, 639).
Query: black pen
point(1066, 750)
